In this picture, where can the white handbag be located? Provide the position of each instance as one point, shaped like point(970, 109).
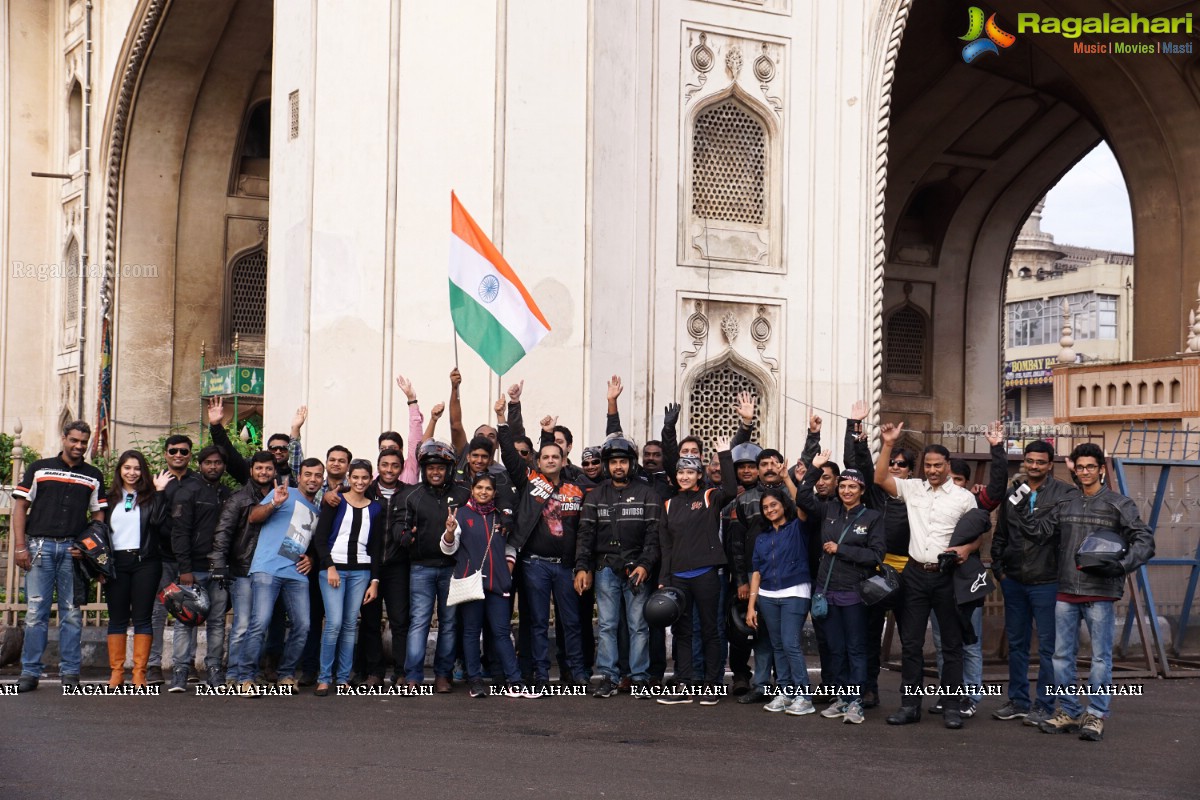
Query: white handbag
point(470, 588)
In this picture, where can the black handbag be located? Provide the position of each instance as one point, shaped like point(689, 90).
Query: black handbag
point(880, 586)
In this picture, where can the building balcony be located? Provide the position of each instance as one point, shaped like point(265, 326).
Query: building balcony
point(1162, 389)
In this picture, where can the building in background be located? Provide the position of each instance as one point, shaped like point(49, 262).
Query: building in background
point(1097, 286)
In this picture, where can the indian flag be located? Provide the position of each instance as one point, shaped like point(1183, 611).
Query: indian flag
point(492, 311)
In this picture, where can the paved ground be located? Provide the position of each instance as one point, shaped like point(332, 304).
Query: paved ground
point(451, 746)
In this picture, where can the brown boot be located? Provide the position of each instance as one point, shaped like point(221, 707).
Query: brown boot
point(116, 659)
point(141, 655)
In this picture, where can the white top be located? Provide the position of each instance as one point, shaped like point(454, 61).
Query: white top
point(126, 525)
point(799, 590)
point(932, 515)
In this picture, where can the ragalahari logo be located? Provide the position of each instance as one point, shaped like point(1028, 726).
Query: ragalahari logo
point(996, 38)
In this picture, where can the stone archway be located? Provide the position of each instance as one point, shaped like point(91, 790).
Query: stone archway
point(964, 151)
point(175, 207)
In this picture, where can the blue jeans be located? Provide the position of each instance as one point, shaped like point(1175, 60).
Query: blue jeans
point(497, 613)
point(341, 624)
point(784, 620)
point(266, 589)
point(764, 657)
point(1101, 624)
point(846, 637)
point(972, 653)
point(543, 579)
point(610, 589)
point(427, 588)
point(1023, 605)
point(52, 568)
point(241, 594)
point(184, 638)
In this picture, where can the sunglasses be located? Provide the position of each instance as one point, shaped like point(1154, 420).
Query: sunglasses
point(895, 462)
point(129, 502)
point(278, 448)
point(178, 451)
point(591, 463)
point(522, 452)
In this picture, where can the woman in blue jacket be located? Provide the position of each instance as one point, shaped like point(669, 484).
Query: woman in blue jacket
point(780, 591)
point(348, 541)
point(477, 537)
point(853, 542)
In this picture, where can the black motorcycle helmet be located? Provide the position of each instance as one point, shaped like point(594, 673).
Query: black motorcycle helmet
point(1101, 553)
point(665, 607)
point(745, 453)
point(618, 446)
point(435, 452)
point(737, 621)
point(187, 604)
point(97, 558)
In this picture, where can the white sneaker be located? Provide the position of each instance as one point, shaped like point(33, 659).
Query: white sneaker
point(854, 713)
point(779, 702)
point(836, 710)
point(801, 706)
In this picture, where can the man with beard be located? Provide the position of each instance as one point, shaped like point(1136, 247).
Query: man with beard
point(393, 581)
point(618, 542)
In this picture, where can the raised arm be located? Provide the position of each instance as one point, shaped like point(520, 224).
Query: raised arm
point(235, 465)
point(670, 439)
point(812, 442)
point(458, 434)
point(435, 414)
point(518, 472)
point(990, 496)
point(516, 419)
point(744, 407)
point(889, 435)
point(854, 434)
point(295, 448)
point(412, 471)
point(612, 423)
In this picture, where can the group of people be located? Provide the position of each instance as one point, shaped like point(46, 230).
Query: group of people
point(741, 545)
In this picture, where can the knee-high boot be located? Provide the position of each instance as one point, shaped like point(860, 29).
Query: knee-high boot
point(116, 658)
point(141, 655)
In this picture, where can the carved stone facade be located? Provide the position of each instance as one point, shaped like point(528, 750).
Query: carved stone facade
point(732, 158)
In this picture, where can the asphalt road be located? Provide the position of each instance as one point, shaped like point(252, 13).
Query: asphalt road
point(183, 746)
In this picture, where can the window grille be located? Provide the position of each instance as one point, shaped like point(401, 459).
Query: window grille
point(729, 156)
point(248, 295)
point(73, 277)
point(906, 343)
point(710, 408)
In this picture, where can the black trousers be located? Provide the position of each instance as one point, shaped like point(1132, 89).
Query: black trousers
point(926, 593)
point(131, 594)
point(704, 593)
point(739, 647)
point(658, 642)
point(393, 590)
point(876, 617)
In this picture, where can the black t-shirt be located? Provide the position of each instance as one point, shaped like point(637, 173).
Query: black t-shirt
point(62, 498)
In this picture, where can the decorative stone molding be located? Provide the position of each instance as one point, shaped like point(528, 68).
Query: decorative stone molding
point(769, 6)
point(1192, 332)
point(732, 161)
point(894, 32)
point(1067, 354)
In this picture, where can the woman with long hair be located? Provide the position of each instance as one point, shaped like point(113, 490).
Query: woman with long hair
point(135, 511)
point(477, 537)
point(347, 541)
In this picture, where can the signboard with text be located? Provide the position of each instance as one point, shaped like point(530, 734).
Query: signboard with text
point(231, 380)
point(1029, 371)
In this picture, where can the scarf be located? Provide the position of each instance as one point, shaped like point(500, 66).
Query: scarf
point(482, 510)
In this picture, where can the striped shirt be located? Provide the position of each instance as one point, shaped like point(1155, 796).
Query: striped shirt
point(61, 497)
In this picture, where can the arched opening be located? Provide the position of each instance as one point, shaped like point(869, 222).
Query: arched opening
point(75, 119)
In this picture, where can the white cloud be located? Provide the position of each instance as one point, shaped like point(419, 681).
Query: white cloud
point(1089, 207)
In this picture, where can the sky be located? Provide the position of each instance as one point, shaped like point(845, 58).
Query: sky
point(1089, 207)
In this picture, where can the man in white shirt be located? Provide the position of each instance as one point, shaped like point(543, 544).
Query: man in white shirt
point(934, 507)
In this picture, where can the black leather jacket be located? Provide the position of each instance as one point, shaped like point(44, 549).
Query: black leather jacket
point(418, 521)
point(235, 538)
point(619, 526)
point(1018, 552)
point(195, 512)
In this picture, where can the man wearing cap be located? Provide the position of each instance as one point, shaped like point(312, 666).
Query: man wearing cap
point(618, 543)
point(934, 507)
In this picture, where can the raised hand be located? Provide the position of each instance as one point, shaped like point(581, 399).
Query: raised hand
point(216, 411)
point(995, 433)
point(891, 433)
point(280, 496)
point(437, 411)
point(671, 414)
point(822, 458)
point(162, 479)
point(514, 392)
point(406, 386)
point(500, 408)
point(745, 406)
point(548, 423)
point(455, 379)
point(814, 424)
point(859, 410)
point(722, 443)
point(298, 420)
point(614, 387)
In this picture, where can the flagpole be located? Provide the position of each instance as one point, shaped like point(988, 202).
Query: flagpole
point(456, 348)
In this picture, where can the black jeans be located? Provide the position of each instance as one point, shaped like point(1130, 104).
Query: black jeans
point(704, 593)
point(587, 636)
point(131, 594)
point(393, 590)
point(926, 592)
point(740, 647)
point(876, 617)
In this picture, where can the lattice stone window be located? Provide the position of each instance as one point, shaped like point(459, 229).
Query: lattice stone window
point(905, 335)
point(73, 277)
point(294, 114)
point(248, 295)
point(729, 157)
point(710, 407)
